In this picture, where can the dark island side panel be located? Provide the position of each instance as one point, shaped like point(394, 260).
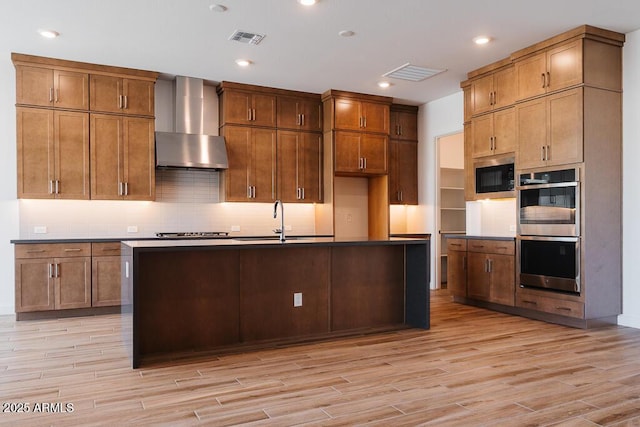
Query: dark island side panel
point(186, 300)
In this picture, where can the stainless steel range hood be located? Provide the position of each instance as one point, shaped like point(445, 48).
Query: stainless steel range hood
point(188, 146)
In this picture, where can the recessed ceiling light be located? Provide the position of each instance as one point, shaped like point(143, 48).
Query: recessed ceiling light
point(243, 62)
point(218, 8)
point(482, 40)
point(346, 33)
point(50, 34)
point(307, 2)
point(384, 84)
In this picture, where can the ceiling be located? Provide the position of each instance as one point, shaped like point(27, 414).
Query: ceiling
point(302, 49)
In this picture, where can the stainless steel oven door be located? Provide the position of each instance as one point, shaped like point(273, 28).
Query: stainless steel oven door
point(551, 263)
point(549, 209)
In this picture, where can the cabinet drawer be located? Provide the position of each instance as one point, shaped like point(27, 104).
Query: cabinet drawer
point(501, 247)
point(456, 245)
point(46, 250)
point(551, 305)
point(105, 249)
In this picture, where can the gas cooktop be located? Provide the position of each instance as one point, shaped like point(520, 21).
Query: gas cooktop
point(193, 235)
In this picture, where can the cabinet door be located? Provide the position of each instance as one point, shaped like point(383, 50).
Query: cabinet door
point(71, 155)
point(478, 284)
point(34, 285)
point(310, 150)
point(407, 125)
point(73, 284)
point(394, 184)
point(106, 94)
point(504, 88)
point(373, 149)
point(236, 107)
point(35, 152)
point(504, 131)
point(289, 166)
point(299, 113)
point(264, 110)
point(236, 177)
point(564, 64)
point(347, 151)
point(105, 281)
point(348, 114)
point(565, 124)
point(481, 135)
point(71, 90)
point(106, 156)
point(530, 76)
point(262, 173)
point(34, 86)
point(457, 273)
point(502, 279)
point(407, 175)
point(139, 97)
point(138, 158)
point(375, 117)
point(482, 94)
point(532, 133)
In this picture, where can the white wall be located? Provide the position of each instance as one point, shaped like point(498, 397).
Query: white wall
point(441, 117)
point(8, 205)
point(631, 190)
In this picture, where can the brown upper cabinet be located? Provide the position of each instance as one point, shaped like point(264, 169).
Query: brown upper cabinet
point(53, 154)
point(550, 130)
point(55, 88)
point(494, 133)
point(365, 116)
point(246, 105)
point(299, 166)
point(403, 172)
point(360, 153)
point(493, 91)
point(299, 113)
point(586, 55)
point(111, 94)
point(404, 122)
point(122, 157)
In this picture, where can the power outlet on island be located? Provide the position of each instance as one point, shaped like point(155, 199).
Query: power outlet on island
point(297, 299)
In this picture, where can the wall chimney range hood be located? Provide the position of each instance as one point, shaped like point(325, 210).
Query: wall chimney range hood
point(188, 147)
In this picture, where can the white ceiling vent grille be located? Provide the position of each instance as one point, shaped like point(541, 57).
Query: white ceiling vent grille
point(246, 37)
point(412, 73)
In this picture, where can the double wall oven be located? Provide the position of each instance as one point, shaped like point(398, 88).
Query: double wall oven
point(549, 230)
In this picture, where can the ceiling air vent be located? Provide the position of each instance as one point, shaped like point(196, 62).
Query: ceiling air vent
point(412, 73)
point(246, 37)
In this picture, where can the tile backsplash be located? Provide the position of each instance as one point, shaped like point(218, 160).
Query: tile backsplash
point(185, 201)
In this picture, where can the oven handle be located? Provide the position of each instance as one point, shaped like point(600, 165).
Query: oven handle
point(554, 185)
point(551, 238)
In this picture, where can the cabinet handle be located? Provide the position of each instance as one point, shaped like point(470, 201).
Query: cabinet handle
point(57, 274)
point(544, 81)
point(120, 101)
point(564, 309)
point(490, 263)
point(365, 162)
point(51, 271)
point(543, 155)
point(126, 102)
point(548, 79)
point(547, 153)
point(35, 251)
point(57, 98)
point(486, 265)
point(50, 94)
point(525, 301)
point(126, 188)
point(249, 114)
point(455, 244)
point(50, 186)
point(364, 120)
point(253, 114)
point(401, 196)
point(301, 119)
point(72, 250)
point(477, 246)
point(57, 186)
point(248, 191)
point(303, 196)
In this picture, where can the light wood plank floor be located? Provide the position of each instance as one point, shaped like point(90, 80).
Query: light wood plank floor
point(473, 368)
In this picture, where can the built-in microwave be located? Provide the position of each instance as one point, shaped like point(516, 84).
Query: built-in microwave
point(494, 178)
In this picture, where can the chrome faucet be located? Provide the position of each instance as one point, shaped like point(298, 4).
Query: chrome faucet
point(275, 215)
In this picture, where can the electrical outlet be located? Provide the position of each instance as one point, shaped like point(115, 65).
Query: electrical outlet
point(40, 229)
point(235, 228)
point(297, 299)
point(132, 229)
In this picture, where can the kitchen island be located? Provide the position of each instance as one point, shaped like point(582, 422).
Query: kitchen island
point(184, 298)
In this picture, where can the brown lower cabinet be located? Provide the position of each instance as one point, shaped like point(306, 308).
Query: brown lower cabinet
point(65, 276)
point(484, 271)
